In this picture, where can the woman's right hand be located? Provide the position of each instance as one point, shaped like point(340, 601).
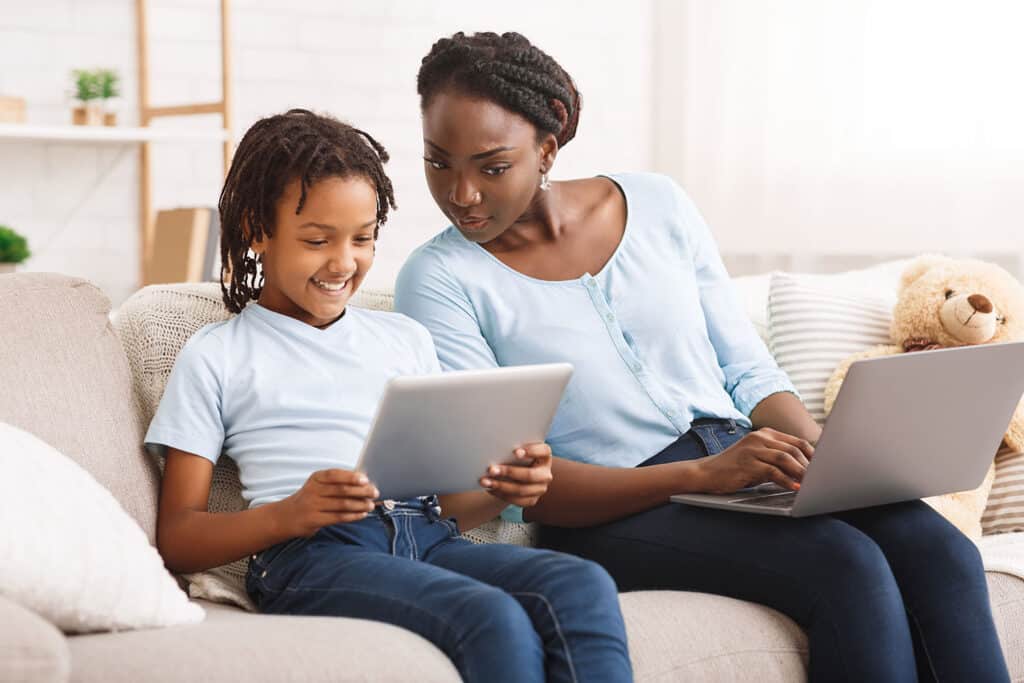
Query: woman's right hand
point(328, 497)
point(760, 456)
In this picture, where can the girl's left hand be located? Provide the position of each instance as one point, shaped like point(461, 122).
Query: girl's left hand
point(524, 482)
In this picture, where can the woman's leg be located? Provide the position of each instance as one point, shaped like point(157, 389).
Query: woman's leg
point(829, 577)
point(482, 629)
point(573, 604)
point(941, 577)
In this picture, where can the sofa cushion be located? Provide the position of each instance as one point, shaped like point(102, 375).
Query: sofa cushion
point(1004, 511)
point(71, 553)
point(233, 645)
point(31, 648)
point(812, 328)
point(680, 636)
point(66, 380)
point(1006, 593)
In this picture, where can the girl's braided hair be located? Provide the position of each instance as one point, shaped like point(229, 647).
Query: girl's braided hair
point(506, 69)
point(274, 151)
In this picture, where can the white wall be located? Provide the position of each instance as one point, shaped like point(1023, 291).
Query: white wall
point(827, 126)
point(78, 204)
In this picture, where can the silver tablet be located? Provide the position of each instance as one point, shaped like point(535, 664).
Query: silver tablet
point(440, 433)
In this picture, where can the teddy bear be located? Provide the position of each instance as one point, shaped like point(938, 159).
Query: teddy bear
point(944, 302)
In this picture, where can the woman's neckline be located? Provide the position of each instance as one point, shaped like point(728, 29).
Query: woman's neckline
point(585, 276)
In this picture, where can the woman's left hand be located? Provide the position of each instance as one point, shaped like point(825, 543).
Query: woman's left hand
point(524, 482)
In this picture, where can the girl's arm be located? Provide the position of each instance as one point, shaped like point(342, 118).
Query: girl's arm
point(521, 484)
point(192, 539)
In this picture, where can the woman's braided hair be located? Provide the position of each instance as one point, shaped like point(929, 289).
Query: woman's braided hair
point(274, 151)
point(506, 69)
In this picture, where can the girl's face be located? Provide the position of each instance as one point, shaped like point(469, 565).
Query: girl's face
point(317, 259)
point(483, 163)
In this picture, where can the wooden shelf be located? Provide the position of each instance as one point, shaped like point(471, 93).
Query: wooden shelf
point(105, 134)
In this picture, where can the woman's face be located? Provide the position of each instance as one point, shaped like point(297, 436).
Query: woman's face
point(483, 163)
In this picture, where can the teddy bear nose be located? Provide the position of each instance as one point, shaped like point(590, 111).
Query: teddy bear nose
point(980, 303)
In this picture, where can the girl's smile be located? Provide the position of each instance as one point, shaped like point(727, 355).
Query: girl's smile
point(316, 259)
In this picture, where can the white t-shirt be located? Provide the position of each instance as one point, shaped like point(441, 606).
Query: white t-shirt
point(283, 398)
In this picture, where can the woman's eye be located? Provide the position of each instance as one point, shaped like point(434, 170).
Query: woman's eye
point(316, 243)
point(949, 293)
point(364, 240)
point(435, 164)
point(496, 170)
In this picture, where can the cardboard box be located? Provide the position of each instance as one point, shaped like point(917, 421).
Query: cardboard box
point(183, 240)
point(12, 109)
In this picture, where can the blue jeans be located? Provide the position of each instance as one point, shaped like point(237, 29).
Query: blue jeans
point(889, 593)
point(499, 612)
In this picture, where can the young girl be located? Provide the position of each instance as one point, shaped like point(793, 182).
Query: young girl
point(288, 387)
point(672, 390)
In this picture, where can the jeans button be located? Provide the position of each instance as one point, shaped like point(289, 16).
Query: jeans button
point(389, 505)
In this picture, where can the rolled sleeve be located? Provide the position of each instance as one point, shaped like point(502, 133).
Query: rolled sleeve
point(748, 394)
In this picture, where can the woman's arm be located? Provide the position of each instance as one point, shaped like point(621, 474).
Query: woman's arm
point(192, 539)
point(785, 412)
point(585, 495)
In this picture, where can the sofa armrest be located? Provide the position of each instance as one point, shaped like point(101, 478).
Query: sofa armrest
point(31, 648)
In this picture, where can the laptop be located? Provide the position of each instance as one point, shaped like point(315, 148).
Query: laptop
point(903, 427)
point(440, 433)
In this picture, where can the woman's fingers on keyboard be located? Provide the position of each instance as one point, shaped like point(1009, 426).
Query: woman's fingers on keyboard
point(783, 462)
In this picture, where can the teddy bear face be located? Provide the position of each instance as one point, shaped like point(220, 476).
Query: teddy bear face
point(956, 302)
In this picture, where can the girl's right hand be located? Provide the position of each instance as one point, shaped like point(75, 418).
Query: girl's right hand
point(761, 456)
point(328, 497)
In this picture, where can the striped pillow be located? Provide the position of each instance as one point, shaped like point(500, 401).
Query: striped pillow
point(1005, 509)
point(813, 327)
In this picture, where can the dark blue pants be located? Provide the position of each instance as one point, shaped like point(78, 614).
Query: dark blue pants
point(500, 612)
point(889, 593)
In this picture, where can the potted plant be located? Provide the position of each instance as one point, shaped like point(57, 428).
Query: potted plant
point(110, 87)
point(13, 249)
point(87, 92)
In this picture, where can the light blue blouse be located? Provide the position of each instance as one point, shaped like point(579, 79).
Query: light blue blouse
point(658, 337)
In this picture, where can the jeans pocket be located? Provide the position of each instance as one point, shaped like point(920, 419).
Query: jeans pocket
point(264, 561)
point(452, 526)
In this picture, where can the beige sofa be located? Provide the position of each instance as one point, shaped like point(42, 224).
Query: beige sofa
point(65, 377)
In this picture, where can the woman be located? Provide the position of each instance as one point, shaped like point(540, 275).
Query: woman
point(673, 390)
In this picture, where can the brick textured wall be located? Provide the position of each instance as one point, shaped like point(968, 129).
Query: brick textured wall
point(78, 203)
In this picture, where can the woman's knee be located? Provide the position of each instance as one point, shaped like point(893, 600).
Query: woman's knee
point(852, 564)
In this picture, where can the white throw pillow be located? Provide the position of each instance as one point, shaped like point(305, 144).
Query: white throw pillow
point(69, 551)
point(814, 323)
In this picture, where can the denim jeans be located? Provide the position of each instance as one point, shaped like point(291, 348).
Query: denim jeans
point(888, 593)
point(499, 612)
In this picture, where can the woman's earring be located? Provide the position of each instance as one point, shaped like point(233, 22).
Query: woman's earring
point(545, 184)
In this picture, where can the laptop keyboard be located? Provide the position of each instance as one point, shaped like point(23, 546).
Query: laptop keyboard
point(773, 500)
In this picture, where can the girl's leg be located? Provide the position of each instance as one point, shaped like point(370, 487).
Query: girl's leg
point(573, 604)
point(826, 575)
point(945, 592)
point(482, 629)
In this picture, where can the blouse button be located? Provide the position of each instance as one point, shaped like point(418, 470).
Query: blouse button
point(610, 317)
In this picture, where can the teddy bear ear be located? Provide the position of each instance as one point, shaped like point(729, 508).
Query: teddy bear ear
point(920, 266)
